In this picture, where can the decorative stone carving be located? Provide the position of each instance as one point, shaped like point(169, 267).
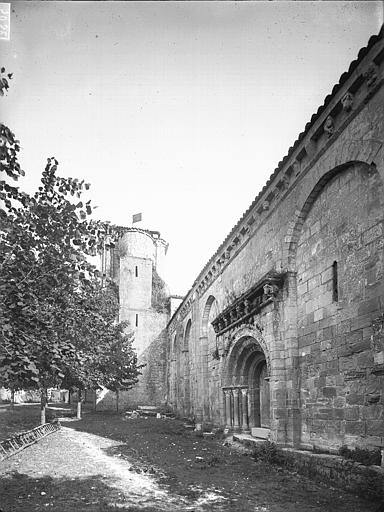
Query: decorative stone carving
point(347, 101)
point(266, 206)
point(285, 182)
point(371, 74)
point(270, 290)
point(259, 328)
point(296, 167)
point(249, 331)
point(329, 126)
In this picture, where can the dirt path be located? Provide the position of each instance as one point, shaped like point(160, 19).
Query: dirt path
point(70, 471)
point(153, 466)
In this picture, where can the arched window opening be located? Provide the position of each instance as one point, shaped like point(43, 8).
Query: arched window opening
point(187, 335)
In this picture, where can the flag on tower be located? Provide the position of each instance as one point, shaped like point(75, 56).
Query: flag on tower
point(137, 217)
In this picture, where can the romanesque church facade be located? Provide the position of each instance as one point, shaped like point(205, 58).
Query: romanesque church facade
point(282, 332)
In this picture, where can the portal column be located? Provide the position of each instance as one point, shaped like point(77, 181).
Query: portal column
point(236, 423)
point(228, 419)
point(244, 402)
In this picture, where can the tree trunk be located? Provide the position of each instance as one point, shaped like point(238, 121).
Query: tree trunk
point(78, 415)
point(117, 400)
point(12, 398)
point(43, 405)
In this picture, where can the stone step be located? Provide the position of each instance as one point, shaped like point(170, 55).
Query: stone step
point(148, 408)
point(248, 440)
point(261, 433)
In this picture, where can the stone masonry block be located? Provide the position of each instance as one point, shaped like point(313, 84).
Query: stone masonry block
point(375, 427)
point(326, 275)
point(365, 359)
point(355, 428)
point(329, 392)
point(351, 413)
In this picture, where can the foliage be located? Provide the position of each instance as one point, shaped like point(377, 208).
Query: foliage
point(267, 452)
point(107, 356)
point(119, 367)
point(4, 77)
point(160, 299)
point(44, 270)
point(368, 457)
point(57, 320)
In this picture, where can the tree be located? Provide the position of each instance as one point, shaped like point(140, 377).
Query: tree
point(44, 267)
point(107, 356)
point(119, 366)
point(50, 320)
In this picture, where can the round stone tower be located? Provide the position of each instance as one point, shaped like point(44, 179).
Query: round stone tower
point(140, 253)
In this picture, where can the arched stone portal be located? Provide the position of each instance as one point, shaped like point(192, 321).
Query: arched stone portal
point(246, 387)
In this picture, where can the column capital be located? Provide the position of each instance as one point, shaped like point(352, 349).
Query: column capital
point(244, 391)
point(235, 391)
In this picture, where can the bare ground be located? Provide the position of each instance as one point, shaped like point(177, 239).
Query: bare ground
point(104, 463)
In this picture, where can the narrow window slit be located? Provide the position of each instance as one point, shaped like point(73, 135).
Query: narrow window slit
point(335, 288)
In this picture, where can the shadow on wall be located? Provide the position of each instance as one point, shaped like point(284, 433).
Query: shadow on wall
point(106, 400)
point(97, 493)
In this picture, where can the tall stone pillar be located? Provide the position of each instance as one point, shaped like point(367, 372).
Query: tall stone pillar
point(228, 415)
point(244, 402)
point(236, 423)
point(291, 424)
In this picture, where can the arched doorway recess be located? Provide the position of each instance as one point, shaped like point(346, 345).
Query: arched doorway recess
point(246, 389)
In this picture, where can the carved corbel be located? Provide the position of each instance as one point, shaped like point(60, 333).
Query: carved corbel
point(296, 167)
point(266, 206)
point(285, 182)
point(329, 126)
point(371, 74)
point(347, 101)
point(270, 290)
point(247, 307)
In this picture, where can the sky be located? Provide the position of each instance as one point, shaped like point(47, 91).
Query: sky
point(176, 110)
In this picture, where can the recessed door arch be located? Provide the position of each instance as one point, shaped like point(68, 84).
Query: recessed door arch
point(246, 385)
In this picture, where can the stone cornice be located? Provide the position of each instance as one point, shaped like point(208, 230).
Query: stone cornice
point(363, 78)
point(249, 303)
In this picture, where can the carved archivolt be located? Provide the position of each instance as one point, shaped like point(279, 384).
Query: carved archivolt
point(240, 339)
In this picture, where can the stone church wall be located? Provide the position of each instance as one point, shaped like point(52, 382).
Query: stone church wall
point(283, 330)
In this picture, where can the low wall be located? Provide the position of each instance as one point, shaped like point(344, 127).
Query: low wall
point(337, 471)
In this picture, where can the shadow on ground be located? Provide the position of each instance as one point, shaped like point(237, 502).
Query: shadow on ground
point(21, 493)
point(189, 465)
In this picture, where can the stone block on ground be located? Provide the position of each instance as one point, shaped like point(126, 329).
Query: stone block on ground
point(261, 433)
